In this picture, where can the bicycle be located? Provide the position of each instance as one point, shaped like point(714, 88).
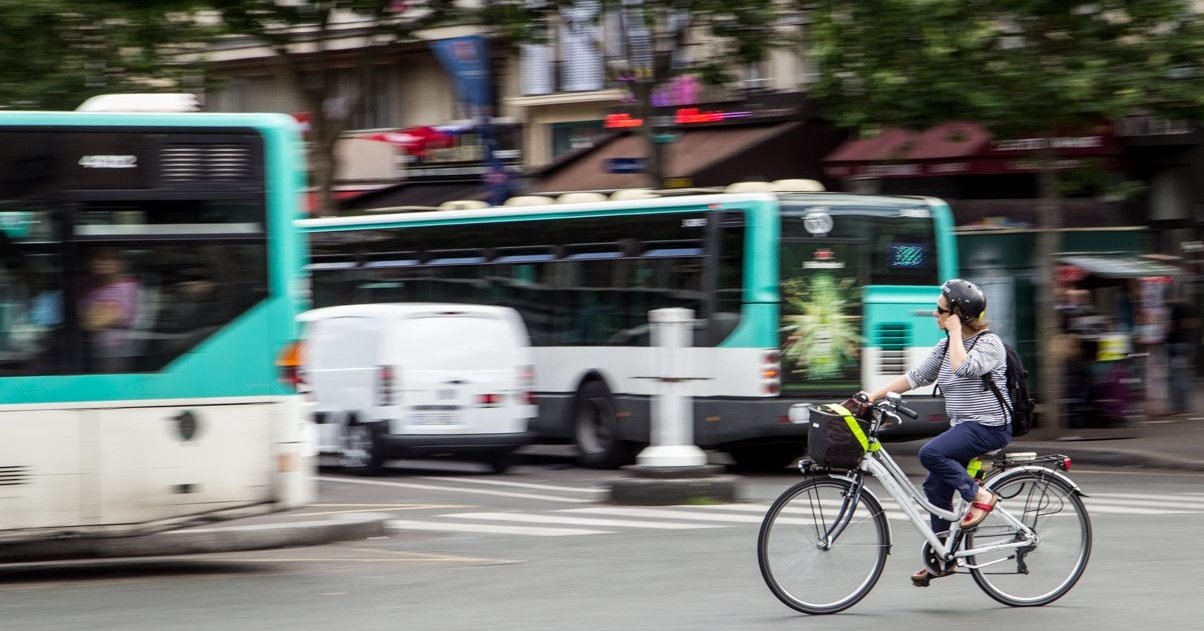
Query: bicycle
point(823, 543)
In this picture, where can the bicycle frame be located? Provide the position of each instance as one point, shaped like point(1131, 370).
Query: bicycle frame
point(880, 465)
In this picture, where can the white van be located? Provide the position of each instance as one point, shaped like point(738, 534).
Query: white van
point(405, 380)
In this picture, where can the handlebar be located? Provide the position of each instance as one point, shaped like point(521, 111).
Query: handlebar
point(890, 408)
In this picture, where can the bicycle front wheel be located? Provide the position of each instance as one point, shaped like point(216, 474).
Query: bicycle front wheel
point(820, 549)
point(1043, 572)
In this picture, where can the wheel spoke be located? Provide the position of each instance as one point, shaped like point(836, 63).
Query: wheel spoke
point(1041, 573)
point(801, 568)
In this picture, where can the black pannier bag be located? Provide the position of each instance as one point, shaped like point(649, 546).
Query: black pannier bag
point(837, 439)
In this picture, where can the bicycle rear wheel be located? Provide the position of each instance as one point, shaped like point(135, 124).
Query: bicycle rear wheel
point(1044, 572)
point(805, 572)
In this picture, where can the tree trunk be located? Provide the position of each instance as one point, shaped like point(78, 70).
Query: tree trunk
point(654, 154)
point(322, 155)
point(1049, 365)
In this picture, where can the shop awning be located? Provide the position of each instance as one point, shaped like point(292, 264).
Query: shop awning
point(415, 193)
point(710, 156)
point(963, 148)
point(1109, 266)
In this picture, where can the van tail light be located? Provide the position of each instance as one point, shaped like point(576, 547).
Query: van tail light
point(526, 384)
point(489, 400)
point(288, 366)
point(771, 372)
point(386, 385)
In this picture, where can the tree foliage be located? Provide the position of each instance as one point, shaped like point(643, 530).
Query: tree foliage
point(300, 35)
point(710, 38)
point(1017, 66)
point(742, 32)
point(57, 53)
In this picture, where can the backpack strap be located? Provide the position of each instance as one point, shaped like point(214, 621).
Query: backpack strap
point(989, 383)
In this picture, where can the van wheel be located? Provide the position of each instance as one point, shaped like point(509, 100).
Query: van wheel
point(500, 462)
point(597, 429)
point(358, 451)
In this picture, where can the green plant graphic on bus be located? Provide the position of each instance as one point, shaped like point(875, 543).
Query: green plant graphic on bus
point(820, 327)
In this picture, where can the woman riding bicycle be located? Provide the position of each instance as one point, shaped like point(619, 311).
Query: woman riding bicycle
point(977, 422)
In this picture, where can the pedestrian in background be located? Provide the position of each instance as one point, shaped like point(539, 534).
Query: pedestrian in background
point(1183, 338)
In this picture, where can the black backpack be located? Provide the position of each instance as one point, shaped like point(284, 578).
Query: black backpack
point(1023, 406)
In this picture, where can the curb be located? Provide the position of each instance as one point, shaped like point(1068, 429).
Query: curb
point(1125, 458)
point(204, 540)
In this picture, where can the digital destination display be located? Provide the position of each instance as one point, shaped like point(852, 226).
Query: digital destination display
point(907, 255)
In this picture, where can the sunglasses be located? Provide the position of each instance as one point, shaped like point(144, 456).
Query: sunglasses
point(943, 311)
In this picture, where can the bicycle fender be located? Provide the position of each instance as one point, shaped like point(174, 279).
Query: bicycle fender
point(1038, 469)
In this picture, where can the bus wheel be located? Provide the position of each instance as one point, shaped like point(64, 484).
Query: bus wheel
point(765, 457)
point(597, 429)
point(358, 451)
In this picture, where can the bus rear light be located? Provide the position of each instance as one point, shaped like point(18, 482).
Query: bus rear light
point(771, 373)
point(772, 388)
point(386, 385)
point(288, 366)
point(489, 400)
point(773, 357)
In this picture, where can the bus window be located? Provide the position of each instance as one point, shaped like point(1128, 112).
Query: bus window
point(31, 304)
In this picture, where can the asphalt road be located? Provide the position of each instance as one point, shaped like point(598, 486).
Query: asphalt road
point(537, 549)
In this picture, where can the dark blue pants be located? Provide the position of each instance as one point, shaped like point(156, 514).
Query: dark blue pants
point(946, 457)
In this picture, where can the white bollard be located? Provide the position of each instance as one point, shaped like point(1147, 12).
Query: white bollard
point(672, 443)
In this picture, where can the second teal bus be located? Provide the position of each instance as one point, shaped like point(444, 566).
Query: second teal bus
point(800, 298)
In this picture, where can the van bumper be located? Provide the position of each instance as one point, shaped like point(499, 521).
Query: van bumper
point(403, 445)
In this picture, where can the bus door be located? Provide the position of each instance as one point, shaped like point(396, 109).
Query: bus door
point(821, 315)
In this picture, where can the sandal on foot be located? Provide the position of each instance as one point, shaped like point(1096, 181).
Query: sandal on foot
point(985, 507)
point(923, 577)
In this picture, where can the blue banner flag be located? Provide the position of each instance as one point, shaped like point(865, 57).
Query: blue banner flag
point(466, 59)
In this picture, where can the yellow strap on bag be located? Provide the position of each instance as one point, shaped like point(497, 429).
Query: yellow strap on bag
point(974, 467)
point(855, 427)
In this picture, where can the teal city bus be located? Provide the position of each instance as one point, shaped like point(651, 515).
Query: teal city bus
point(150, 276)
point(799, 298)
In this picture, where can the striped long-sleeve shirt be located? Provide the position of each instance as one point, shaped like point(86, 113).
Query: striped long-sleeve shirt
point(965, 397)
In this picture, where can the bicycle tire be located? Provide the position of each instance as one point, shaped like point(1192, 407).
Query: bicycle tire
point(1051, 506)
point(803, 576)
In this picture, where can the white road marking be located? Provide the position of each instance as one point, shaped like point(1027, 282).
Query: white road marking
point(406, 524)
point(521, 485)
point(580, 521)
point(457, 489)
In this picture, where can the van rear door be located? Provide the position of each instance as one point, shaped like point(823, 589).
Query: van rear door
point(340, 362)
point(460, 374)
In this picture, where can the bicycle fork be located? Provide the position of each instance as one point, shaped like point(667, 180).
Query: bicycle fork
point(845, 516)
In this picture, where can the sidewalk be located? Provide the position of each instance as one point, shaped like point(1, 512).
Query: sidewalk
point(1169, 442)
point(1173, 443)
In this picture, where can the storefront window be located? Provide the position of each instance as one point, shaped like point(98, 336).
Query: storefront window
point(568, 137)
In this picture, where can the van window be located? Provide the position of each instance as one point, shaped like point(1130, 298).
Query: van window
point(343, 342)
point(461, 342)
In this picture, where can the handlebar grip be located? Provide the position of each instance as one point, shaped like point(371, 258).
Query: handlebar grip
point(908, 411)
